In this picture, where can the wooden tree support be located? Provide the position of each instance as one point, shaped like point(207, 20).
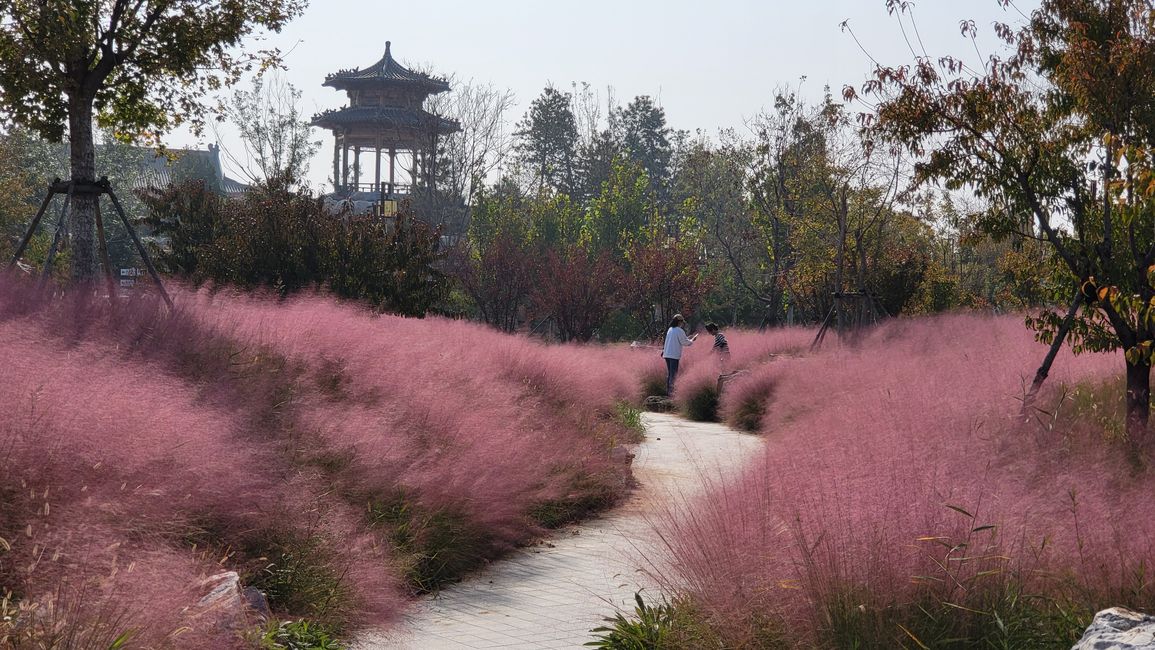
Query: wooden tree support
point(1056, 345)
point(866, 312)
point(69, 189)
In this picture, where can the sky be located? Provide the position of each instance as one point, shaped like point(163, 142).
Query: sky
point(710, 64)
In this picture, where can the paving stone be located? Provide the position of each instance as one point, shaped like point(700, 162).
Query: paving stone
point(546, 597)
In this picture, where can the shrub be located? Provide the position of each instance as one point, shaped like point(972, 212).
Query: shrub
point(285, 241)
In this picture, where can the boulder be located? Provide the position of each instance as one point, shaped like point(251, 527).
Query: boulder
point(659, 404)
point(230, 602)
point(620, 454)
point(1119, 628)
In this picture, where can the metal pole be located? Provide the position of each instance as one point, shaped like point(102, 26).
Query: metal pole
point(32, 227)
point(139, 246)
point(104, 251)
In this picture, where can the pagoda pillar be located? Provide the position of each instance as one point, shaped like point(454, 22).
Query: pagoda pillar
point(344, 165)
point(377, 167)
point(357, 168)
point(392, 164)
point(336, 162)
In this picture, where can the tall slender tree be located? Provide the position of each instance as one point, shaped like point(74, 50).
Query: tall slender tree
point(548, 140)
point(646, 139)
point(140, 67)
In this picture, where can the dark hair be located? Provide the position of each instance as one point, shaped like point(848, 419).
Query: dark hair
point(711, 327)
point(677, 320)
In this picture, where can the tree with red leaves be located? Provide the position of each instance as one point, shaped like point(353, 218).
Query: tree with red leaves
point(665, 277)
point(577, 289)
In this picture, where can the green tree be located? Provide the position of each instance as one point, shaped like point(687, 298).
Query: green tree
point(139, 66)
point(1061, 127)
point(645, 139)
point(625, 205)
point(548, 139)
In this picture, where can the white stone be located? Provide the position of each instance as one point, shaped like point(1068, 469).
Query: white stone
point(1119, 628)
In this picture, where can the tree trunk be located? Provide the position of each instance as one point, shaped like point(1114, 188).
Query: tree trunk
point(1138, 402)
point(82, 158)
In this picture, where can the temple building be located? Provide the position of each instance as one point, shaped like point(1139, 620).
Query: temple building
point(386, 122)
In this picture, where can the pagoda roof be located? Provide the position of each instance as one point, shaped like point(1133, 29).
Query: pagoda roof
point(386, 71)
point(390, 117)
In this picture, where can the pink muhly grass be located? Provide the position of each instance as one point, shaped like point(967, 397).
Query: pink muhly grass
point(884, 456)
point(328, 454)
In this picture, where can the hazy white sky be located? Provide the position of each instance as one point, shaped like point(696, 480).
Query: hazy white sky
point(710, 64)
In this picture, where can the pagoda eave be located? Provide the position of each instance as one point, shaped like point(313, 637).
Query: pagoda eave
point(431, 86)
point(389, 118)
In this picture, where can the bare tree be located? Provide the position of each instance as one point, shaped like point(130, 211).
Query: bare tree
point(277, 141)
point(480, 148)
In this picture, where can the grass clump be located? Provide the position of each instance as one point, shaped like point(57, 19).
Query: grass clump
point(629, 417)
point(750, 410)
point(702, 403)
point(587, 494)
point(300, 574)
point(653, 383)
point(296, 635)
point(647, 628)
point(433, 547)
point(665, 625)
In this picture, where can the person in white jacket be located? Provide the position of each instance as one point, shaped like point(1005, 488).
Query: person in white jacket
point(676, 339)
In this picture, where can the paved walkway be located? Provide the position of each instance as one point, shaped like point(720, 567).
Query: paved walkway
point(552, 595)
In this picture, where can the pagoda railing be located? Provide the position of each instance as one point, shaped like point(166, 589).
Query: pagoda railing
point(385, 189)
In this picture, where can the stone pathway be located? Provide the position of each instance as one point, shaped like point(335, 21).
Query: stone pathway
point(552, 595)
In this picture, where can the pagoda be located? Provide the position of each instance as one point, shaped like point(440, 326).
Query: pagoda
point(385, 117)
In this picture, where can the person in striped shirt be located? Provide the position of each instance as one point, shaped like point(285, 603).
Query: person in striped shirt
point(721, 347)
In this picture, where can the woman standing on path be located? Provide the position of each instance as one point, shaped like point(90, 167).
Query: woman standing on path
point(676, 339)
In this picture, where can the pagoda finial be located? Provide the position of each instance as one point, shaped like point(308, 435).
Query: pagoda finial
point(387, 48)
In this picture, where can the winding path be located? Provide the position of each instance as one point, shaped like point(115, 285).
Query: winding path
point(553, 594)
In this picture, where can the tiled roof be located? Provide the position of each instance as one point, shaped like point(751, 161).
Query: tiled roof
point(155, 171)
point(385, 116)
point(387, 70)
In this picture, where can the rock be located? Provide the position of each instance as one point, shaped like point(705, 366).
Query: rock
point(1119, 628)
point(257, 602)
point(620, 454)
point(659, 404)
point(223, 589)
point(231, 602)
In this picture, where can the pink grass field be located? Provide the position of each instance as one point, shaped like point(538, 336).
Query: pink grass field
point(319, 450)
point(874, 453)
